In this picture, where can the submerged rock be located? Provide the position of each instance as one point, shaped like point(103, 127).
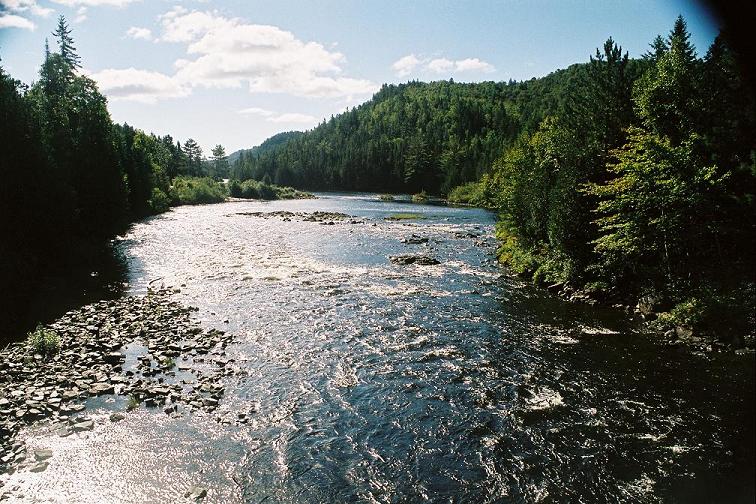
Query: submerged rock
point(422, 260)
point(196, 492)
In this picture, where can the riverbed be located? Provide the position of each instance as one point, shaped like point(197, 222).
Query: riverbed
point(363, 380)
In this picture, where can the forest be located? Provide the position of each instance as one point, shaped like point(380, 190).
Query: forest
point(623, 179)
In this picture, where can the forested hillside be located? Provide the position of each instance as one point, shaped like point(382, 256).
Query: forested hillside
point(420, 136)
point(621, 178)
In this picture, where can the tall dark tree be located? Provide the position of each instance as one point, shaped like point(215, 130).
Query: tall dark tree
point(66, 44)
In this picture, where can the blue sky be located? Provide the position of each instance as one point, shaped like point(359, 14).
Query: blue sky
point(235, 72)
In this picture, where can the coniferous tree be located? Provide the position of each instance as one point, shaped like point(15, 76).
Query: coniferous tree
point(66, 44)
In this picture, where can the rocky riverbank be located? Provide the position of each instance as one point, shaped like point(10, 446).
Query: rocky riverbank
point(148, 349)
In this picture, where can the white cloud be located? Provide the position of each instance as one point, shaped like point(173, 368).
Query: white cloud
point(137, 32)
point(440, 65)
point(229, 53)
point(94, 3)
point(81, 15)
point(410, 63)
point(256, 111)
point(275, 117)
point(12, 13)
point(473, 64)
point(138, 85)
point(31, 6)
point(14, 21)
point(404, 66)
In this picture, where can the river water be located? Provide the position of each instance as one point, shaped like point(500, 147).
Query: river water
point(366, 381)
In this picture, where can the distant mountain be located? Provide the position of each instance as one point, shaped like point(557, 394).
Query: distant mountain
point(267, 145)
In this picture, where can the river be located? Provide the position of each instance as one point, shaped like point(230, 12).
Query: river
point(367, 381)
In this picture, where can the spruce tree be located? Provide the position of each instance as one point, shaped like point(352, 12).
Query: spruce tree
point(66, 44)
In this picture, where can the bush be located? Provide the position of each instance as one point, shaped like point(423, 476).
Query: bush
point(421, 197)
point(254, 189)
point(44, 341)
point(196, 191)
point(472, 194)
point(386, 197)
point(159, 201)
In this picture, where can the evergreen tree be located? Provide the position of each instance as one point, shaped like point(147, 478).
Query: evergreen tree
point(66, 44)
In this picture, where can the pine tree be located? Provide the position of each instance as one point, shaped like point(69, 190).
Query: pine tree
point(66, 44)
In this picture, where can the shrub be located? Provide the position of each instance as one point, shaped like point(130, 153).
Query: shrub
point(159, 201)
point(472, 194)
point(386, 197)
point(421, 197)
point(44, 341)
point(254, 189)
point(196, 191)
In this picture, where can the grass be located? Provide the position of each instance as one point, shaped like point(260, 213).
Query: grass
point(404, 216)
point(44, 341)
point(133, 403)
point(385, 197)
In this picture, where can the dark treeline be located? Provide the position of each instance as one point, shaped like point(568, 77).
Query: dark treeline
point(71, 179)
point(624, 178)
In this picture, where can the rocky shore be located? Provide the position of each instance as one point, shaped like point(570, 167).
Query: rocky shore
point(144, 348)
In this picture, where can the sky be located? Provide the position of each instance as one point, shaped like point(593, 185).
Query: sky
point(235, 72)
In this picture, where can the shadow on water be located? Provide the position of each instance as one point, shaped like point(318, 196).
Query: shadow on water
point(103, 276)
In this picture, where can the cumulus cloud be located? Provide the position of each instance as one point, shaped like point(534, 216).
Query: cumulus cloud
point(137, 33)
point(225, 52)
point(12, 13)
point(138, 85)
point(229, 53)
point(404, 66)
point(408, 64)
point(275, 117)
point(30, 6)
point(14, 21)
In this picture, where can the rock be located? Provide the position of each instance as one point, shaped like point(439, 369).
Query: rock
point(38, 467)
point(415, 240)
point(114, 358)
point(42, 454)
point(196, 492)
point(86, 425)
point(117, 417)
point(683, 332)
point(422, 260)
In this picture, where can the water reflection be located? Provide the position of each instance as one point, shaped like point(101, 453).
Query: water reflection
point(367, 381)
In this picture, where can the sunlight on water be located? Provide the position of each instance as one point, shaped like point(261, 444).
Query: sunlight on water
point(360, 380)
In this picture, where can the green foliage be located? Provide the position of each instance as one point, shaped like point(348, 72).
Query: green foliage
point(159, 202)
point(401, 216)
point(386, 197)
point(472, 194)
point(133, 403)
point(689, 313)
point(421, 197)
point(252, 189)
point(43, 341)
point(196, 191)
